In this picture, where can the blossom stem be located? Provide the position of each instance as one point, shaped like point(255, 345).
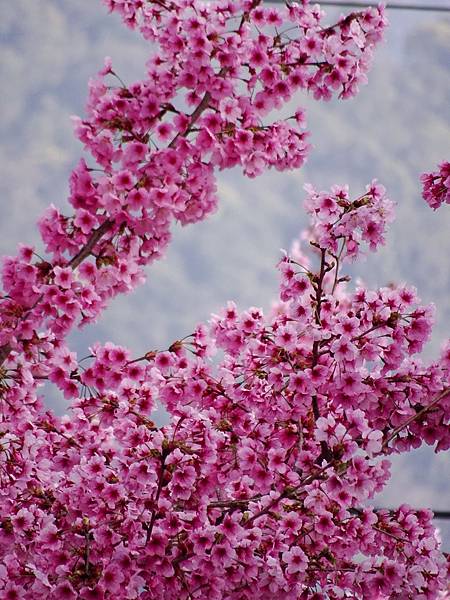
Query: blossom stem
point(157, 496)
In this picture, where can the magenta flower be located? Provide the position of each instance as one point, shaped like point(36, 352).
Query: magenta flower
point(295, 560)
point(279, 425)
point(436, 186)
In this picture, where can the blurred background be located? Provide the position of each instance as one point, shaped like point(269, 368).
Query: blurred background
point(396, 128)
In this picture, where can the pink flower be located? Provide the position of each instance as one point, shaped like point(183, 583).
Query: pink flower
point(325, 427)
point(277, 460)
point(95, 593)
point(372, 232)
point(85, 221)
point(223, 554)
point(64, 591)
point(157, 543)
point(324, 524)
point(229, 109)
point(253, 487)
point(295, 559)
point(22, 520)
point(134, 153)
point(112, 578)
point(13, 592)
point(318, 374)
point(262, 477)
point(164, 360)
point(347, 326)
point(49, 538)
point(436, 186)
point(327, 207)
point(351, 383)
point(107, 66)
point(247, 457)
point(183, 480)
point(164, 131)
point(138, 199)
point(292, 522)
point(273, 17)
point(286, 337)
point(63, 277)
point(300, 382)
point(258, 57)
point(343, 349)
point(123, 180)
point(374, 441)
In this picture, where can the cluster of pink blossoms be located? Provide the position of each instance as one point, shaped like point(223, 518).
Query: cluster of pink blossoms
point(280, 425)
point(436, 186)
point(260, 485)
point(216, 72)
point(340, 225)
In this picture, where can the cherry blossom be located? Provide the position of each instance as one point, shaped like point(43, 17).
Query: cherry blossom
point(263, 480)
point(215, 78)
point(436, 186)
point(280, 425)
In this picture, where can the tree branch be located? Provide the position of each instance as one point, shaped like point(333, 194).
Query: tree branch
point(4, 353)
point(86, 250)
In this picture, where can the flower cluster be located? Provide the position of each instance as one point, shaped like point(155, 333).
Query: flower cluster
point(341, 226)
point(215, 73)
point(280, 426)
point(436, 186)
point(261, 484)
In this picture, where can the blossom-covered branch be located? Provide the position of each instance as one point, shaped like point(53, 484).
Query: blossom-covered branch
point(236, 496)
point(280, 425)
point(215, 73)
